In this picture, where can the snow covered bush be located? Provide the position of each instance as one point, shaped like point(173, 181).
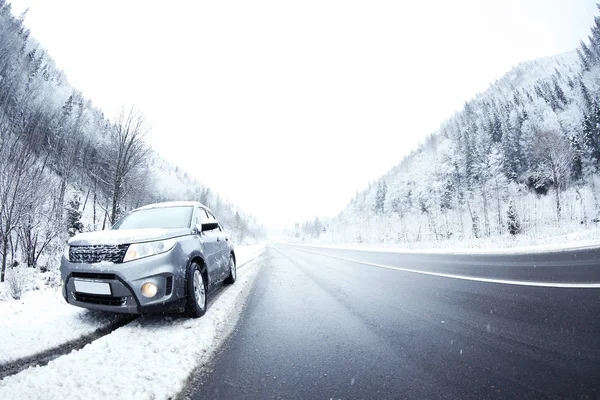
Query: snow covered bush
point(19, 279)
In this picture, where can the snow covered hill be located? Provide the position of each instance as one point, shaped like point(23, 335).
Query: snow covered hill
point(520, 160)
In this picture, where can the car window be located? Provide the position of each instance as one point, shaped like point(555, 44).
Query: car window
point(201, 216)
point(211, 215)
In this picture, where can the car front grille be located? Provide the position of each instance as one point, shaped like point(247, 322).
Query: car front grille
point(96, 254)
point(93, 275)
point(99, 299)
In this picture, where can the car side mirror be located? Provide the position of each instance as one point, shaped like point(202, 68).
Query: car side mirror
point(209, 226)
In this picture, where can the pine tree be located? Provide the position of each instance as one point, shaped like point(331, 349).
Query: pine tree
point(591, 131)
point(317, 227)
point(380, 198)
point(577, 164)
point(559, 93)
point(514, 226)
point(585, 56)
point(74, 224)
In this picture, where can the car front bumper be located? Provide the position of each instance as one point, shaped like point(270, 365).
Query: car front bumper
point(166, 271)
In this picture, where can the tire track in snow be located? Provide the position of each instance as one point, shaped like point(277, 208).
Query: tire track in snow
point(150, 358)
point(43, 358)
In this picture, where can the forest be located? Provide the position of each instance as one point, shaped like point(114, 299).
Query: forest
point(66, 168)
point(521, 158)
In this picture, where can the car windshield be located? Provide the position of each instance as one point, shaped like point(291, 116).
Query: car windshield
point(162, 218)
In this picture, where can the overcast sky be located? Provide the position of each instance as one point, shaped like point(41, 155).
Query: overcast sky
point(289, 108)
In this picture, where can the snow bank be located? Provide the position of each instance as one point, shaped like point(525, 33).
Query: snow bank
point(42, 320)
point(151, 358)
point(568, 242)
point(245, 254)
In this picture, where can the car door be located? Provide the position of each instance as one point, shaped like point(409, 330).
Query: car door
point(210, 245)
point(223, 245)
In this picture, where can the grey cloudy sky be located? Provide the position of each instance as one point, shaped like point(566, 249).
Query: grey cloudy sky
point(289, 108)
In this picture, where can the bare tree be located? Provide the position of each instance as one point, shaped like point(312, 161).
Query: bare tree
point(20, 189)
point(554, 161)
point(128, 151)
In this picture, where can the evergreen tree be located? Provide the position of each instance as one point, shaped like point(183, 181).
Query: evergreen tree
point(577, 166)
point(514, 226)
point(559, 93)
point(74, 224)
point(591, 131)
point(317, 227)
point(380, 197)
point(584, 57)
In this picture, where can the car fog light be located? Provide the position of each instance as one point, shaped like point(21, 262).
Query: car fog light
point(149, 289)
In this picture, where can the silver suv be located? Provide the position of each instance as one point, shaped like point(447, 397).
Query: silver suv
point(163, 257)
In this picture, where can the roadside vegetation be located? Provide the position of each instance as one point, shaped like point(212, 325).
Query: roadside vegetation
point(521, 159)
point(66, 168)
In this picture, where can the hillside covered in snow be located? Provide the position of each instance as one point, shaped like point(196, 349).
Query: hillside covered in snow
point(521, 158)
point(66, 168)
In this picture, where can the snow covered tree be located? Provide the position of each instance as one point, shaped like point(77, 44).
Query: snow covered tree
point(379, 206)
point(74, 224)
point(128, 151)
point(514, 226)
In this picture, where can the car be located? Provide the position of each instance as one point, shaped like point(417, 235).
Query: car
point(163, 257)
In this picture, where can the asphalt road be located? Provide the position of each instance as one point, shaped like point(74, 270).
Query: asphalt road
point(317, 326)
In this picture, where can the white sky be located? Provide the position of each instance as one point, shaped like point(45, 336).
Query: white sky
point(289, 108)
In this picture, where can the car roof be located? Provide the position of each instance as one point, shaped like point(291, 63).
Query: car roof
point(173, 204)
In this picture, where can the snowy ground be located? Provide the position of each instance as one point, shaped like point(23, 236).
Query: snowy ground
point(150, 358)
point(550, 240)
point(42, 320)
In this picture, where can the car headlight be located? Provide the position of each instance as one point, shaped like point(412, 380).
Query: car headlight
point(141, 250)
point(66, 253)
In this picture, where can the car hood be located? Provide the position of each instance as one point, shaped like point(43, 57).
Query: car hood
point(125, 236)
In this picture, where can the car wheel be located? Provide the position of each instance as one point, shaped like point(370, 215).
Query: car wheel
point(196, 292)
point(232, 271)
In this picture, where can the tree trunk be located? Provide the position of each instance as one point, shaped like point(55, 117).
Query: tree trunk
point(4, 251)
point(86, 199)
point(557, 193)
point(105, 218)
point(61, 198)
point(486, 217)
point(115, 200)
point(474, 220)
point(499, 204)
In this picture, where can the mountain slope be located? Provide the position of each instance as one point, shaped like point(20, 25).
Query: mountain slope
point(65, 167)
point(520, 158)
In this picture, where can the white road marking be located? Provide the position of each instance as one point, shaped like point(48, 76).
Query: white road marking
point(470, 278)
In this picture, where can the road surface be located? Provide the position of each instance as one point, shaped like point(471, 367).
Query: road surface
point(318, 326)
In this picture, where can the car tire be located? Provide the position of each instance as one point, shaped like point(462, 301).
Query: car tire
point(197, 292)
point(232, 271)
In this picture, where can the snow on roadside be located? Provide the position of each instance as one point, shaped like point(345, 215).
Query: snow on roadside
point(572, 244)
point(245, 254)
point(150, 358)
point(42, 320)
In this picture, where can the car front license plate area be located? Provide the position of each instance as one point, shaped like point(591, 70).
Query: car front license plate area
point(92, 287)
